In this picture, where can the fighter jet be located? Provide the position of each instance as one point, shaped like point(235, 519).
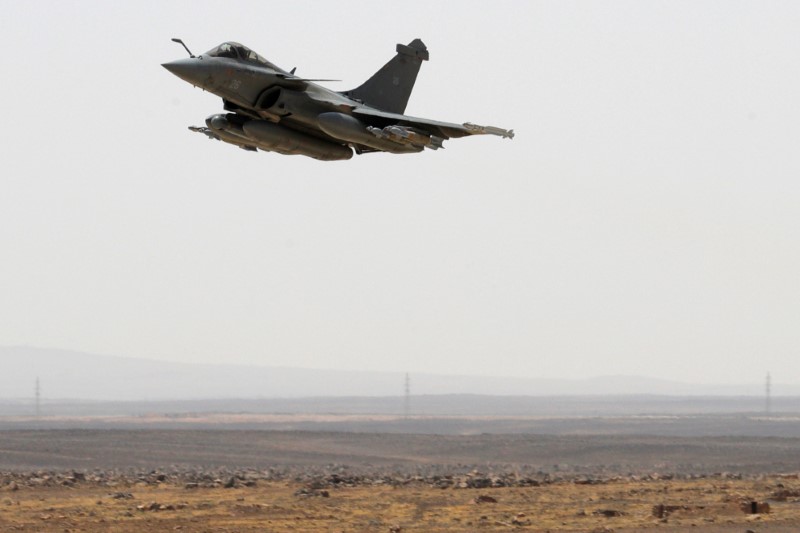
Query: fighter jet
point(274, 110)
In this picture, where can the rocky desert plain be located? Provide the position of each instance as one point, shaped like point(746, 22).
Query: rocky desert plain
point(251, 500)
point(133, 476)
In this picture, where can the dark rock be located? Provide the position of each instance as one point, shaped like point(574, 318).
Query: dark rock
point(783, 494)
point(479, 483)
point(152, 506)
point(306, 492)
point(608, 513)
point(754, 507)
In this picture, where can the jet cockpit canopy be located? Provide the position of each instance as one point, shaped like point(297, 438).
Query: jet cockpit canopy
point(238, 51)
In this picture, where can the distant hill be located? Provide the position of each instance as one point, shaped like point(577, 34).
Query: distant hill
point(65, 374)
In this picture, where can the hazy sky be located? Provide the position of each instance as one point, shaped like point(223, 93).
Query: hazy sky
point(645, 220)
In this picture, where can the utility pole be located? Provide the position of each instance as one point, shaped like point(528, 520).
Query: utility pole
point(38, 397)
point(407, 403)
point(767, 405)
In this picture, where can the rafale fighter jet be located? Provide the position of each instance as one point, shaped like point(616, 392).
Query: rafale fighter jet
point(273, 110)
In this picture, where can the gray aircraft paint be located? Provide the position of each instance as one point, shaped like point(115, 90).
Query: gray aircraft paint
point(271, 109)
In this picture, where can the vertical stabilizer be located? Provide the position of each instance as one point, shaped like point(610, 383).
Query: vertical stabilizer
point(390, 88)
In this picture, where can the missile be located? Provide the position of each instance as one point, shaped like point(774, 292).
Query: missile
point(404, 135)
point(225, 136)
point(489, 130)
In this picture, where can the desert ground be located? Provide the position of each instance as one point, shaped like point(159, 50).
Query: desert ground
point(141, 478)
point(335, 503)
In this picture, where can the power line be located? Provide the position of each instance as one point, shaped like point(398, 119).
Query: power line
point(768, 387)
point(38, 397)
point(407, 402)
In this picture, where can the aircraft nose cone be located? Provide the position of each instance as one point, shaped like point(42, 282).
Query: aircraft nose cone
point(186, 69)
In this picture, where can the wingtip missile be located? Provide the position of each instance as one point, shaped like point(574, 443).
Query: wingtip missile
point(489, 130)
